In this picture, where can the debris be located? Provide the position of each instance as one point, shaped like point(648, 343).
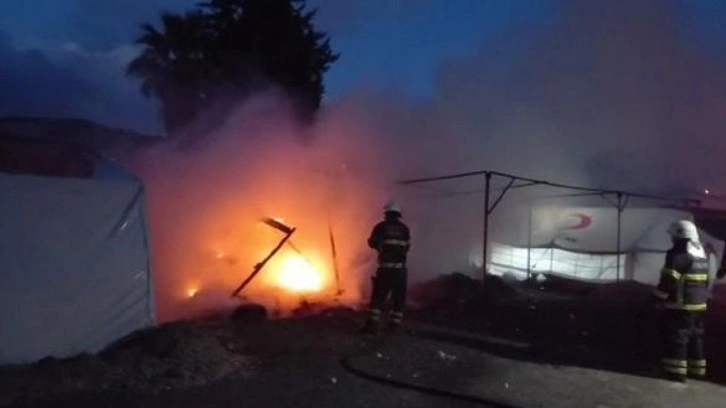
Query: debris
point(416, 375)
point(379, 355)
point(445, 356)
point(333, 380)
point(506, 385)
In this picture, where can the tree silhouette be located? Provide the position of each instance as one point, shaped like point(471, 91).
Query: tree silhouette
point(224, 50)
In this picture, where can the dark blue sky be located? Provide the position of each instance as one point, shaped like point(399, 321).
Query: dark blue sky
point(65, 57)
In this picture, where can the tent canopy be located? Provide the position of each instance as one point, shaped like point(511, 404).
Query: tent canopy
point(75, 264)
point(595, 229)
point(582, 243)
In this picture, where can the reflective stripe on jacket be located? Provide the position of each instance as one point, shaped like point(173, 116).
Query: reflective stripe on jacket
point(392, 239)
point(683, 282)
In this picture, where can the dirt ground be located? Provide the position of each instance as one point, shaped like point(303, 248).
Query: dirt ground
point(557, 346)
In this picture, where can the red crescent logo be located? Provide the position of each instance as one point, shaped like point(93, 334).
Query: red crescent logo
point(584, 221)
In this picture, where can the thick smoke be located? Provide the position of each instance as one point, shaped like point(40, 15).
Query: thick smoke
point(610, 95)
point(206, 201)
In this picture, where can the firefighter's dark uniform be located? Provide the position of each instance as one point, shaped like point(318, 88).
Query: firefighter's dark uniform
point(392, 239)
point(683, 291)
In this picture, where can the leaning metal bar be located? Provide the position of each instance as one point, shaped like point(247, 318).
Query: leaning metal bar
point(261, 264)
point(529, 241)
point(501, 195)
point(617, 252)
point(485, 241)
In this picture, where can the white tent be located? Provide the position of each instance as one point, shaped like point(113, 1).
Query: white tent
point(74, 261)
point(581, 243)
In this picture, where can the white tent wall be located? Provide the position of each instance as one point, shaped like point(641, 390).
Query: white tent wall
point(581, 243)
point(75, 265)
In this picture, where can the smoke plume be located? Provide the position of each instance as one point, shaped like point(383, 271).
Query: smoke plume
point(610, 95)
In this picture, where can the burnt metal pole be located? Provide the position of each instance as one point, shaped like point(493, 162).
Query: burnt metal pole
point(620, 213)
point(334, 257)
point(261, 265)
point(485, 246)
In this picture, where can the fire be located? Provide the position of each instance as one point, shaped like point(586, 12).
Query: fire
point(296, 274)
point(191, 292)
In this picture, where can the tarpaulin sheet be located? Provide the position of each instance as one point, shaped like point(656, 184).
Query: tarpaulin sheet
point(581, 243)
point(74, 265)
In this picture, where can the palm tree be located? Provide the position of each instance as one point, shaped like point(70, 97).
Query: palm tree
point(172, 65)
point(231, 47)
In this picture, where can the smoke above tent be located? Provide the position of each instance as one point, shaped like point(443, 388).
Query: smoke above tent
point(608, 96)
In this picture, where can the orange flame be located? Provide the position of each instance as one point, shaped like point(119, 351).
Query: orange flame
point(206, 230)
point(296, 274)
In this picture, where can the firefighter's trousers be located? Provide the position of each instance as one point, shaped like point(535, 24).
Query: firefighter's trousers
point(388, 282)
point(682, 334)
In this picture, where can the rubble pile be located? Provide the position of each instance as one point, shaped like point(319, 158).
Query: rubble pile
point(173, 356)
point(459, 289)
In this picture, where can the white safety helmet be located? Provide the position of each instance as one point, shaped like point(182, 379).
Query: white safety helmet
point(684, 229)
point(393, 207)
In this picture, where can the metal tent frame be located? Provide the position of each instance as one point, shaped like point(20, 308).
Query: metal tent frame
point(514, 182)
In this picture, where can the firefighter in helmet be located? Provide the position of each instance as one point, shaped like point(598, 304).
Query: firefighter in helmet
point(391, 238)
point(682, 294)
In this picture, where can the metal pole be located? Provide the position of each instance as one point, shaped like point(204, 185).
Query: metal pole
point(620, 212)
point(485, 246)
point(529, 241)
point(334, 256)
point(262, 264)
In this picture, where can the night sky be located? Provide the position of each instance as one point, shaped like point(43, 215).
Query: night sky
point(65, 57)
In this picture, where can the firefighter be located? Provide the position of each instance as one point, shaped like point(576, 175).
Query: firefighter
point(391, 238)
point(682, 294)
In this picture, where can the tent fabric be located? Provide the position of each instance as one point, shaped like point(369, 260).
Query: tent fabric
point(75, 265)
point(581, 243)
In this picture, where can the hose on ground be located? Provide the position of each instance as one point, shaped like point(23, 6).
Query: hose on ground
point(347, 364)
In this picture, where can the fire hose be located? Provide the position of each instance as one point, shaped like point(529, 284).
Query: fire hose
point(347, 364)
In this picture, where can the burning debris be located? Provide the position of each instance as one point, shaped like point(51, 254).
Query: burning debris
point(296, 272)
point(206, 205)
point(258, 268)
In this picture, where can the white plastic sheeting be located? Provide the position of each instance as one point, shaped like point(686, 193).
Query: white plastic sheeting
point(591, 267)
point(581, 243)
point(74, 262)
